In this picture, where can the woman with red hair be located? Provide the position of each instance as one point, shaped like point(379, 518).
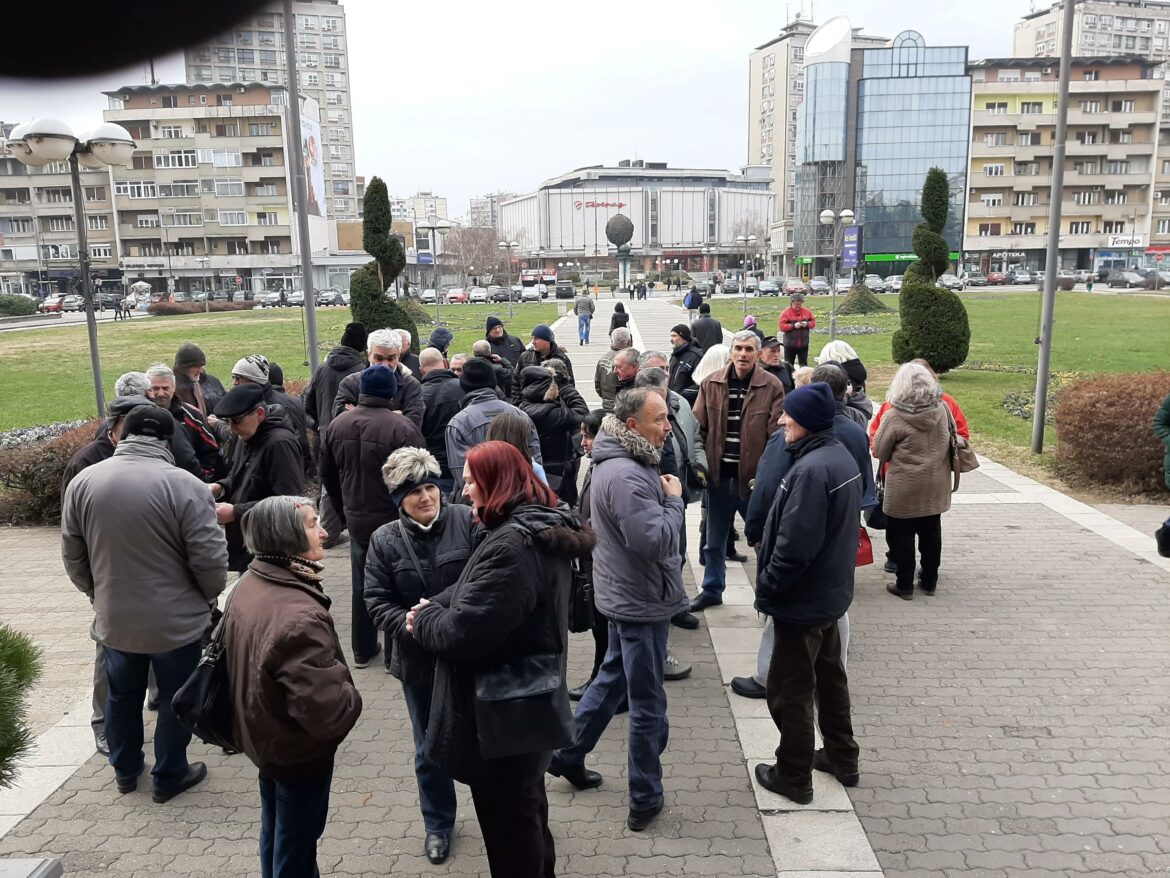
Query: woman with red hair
point(509, 604)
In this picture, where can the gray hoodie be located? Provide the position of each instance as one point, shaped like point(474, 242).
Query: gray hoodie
point(637, 576)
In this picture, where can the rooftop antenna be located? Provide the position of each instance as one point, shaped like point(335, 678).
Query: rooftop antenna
point(153, 78)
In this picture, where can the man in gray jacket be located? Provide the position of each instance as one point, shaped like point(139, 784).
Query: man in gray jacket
point(584, 307)
point(140, 539)
point(637, 584)
point(480, 406)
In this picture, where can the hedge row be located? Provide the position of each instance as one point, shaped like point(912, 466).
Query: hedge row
point(171, 309)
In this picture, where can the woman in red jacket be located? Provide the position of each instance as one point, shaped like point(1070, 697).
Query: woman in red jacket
point(795, 323)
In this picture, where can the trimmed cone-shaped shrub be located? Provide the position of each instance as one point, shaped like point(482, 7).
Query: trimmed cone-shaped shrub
point(20, 667)
point(371, 308)
point(861, 300)
point(1104, 430)
point(934, 327)
point(16, 306)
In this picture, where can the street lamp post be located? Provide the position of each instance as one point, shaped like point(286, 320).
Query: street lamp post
point(747, 242)
point(434, 227)
point(203, 262)
point(829, 218)
point(508, 247)
point(51, 140)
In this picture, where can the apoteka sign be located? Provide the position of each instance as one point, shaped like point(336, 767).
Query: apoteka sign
point(616, 204)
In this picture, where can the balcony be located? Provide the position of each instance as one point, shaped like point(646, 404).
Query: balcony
point(1127, 120)
point(255, 174)
point(266, 200)
point(162, 114)
point(263, 141)
point(232, 263)
point(259, 233)
point(1027, 182)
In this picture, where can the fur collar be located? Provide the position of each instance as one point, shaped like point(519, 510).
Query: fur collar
point(633, 443)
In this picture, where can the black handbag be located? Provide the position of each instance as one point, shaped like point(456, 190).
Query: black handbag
point(581, 615)
point(875, 517)
point(522, 706)
point(203, 705)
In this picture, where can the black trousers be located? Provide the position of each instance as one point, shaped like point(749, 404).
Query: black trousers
point(514, 821)
point(900, 534)
point(792, 355)
point(806, 669)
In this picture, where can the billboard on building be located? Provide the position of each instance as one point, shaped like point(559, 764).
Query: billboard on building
point(851, 247)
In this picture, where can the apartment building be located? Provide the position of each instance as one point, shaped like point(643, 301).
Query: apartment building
point(775, 90)
point(207, 198)
point(38, 233)
point(1114, 164)
point(484, 212)
point(254, 52)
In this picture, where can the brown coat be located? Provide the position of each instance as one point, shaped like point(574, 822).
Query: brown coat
point(918, 448)
point(294, 699)
point(759, 420)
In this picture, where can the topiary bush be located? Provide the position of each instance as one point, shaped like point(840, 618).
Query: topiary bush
point(861, 300)
point(30, 477)
point(16, 306)
point(372, 309)
point(1104, 433)
point(20, 667)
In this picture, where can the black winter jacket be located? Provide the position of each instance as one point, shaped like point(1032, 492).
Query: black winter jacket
point(510, 601)
point(200, 442)
point(299, 420)
point(783, 374)
point(809, 551)
point(267, 465)
point(707, 331)
point(683, 361)
point(408, 399)
point(507, 347)
point(530, 357)
point(557, 421)
point(353, 448)
point(393, 584)
point(443, 398)
point(213, 390)
point(618, 318)
point(322, 389)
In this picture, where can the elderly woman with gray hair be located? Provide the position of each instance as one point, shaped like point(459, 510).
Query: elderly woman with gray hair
point(417, 557)
point(294, 700)
point(913, 444)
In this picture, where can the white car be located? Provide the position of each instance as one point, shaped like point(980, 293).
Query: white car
point(530, 294)
point(477, 296)
point(428, 296)
point(270, 300)
point(844, 284)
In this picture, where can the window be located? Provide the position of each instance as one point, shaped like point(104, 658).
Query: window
point(169, 102)
point(992, 199)
point(1114, 227)
point(1166, 166)
point(226, 74)
point(176, 158)
point(187, 218)
point(330, 23)
point(1008, 76)
point(220, 158)
point(170, 132)
point(334, 80)
point(331, 43)
point(101, 251)
point(342, 205)
point(267, 160)
point(1116, 197)
point(1117, 167)
point(339, 151)
point(227, 129)
point(307, 41)
point(233, 218)
point(97, 223)
point(225, 56)
point(223, 100)
point(55, 196)
point(1085, 197)
point(1031, 76)
point(271, 246)
point(265, 191)
point(248, 74)
point(147, 221)
point(265, 38)
point(1023, 228)
point(341, 169)
point(178, 189)
point(996, 108)
point(58, 251)
point(136, 189)
point(337, 134)
point(306, 22)
point(95, 193)
point(267, 56)
point(229, 188)
point(244, 37)
point(332, 59)
point(1025, 199)
point(1031, 138)
point(987, 229)
point(995, 138)
point(1164, 227)
point(1086, 137)
point(1031, 107)
point(996, 170)
point(202, 74)
point(1122, 106)
point(1090, 21)
point(267, 218)
point(309, 59)
point(341, 187)
point(1085, 167)
point(312, 80)
point(246, 56)
point(259, 129)
point(1090, 106)
point(332, 98)
point(20, 225)
point(60, 224)
point(1079, 227)
point(1121, 137)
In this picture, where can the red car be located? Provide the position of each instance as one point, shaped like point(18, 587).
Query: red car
point(996, 278)
point(457, 296)
point(795, 285)
point(52, 304)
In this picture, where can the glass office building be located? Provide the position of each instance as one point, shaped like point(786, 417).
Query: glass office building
point(873, 122)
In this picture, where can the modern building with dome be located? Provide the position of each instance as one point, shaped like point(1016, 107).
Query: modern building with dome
point(872, 123)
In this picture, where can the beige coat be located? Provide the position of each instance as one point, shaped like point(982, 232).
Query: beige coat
point(918, 448)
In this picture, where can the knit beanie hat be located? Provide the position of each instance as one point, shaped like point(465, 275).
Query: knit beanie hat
point(188, 355)
point(705, 308)
point(253, 367)
point(441, 338)
point(811, 406)
point(477, 374)
point(354, 336)
point(275, 375)
point(683, 330)
point(149, 420)
point(749, 321)
point(379, 381)
point(493, 322)
point(542, 332)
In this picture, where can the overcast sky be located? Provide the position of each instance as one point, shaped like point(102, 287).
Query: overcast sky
point(465, 98)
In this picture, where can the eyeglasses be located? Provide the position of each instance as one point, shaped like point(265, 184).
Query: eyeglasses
point(238, 418)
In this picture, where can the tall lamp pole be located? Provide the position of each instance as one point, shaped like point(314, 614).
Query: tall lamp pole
point(829, 218)
point(51, 140)
point(746, 241)
point(508, 247)
point(434, 227)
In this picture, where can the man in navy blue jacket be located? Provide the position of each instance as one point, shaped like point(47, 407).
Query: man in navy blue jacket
point(805, 584)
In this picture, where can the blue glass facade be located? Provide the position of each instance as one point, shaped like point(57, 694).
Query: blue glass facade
point(826, 95)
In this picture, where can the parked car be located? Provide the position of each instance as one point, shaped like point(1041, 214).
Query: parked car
point(517, 292)
point(565, 284)
point(330, 296)
point(793, 285)
point(1126, 279)
point(1021, 277)
point(844, 284)
point(477, 295)
point(563, 291)
point(894, 282)
point(270, 300)
point(730, 285)
point(71, 303)
point(819, 286)
point(530, 294)
point(428, 296)
point(456, 296)
point(949, 282)
point(703, 287)
point(51, 304)
point(997, 278)
point(199, 296)
point(753, 283)
point(876, 284)
point(1084, 275)
point(296, 297)
point(976, 279)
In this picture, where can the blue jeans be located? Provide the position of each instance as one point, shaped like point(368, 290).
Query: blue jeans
point(363, 633)
point(436, 790)
point(633, 668)
point(127, 673)
point(583, 323)
point(292, 818)
point(723, 501)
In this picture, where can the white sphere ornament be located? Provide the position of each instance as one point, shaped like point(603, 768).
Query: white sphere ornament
point(50, 139)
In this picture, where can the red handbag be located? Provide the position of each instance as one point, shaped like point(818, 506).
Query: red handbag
point(864, 549)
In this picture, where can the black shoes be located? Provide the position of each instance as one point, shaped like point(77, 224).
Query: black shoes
point(737, 556)
point(579, 693)
point(747, 687)
point(639, 820)
point(764, 775)
point(366, 661)
point(333, 542)
point(152, 704)
point(437, 847)
point(101, 744)
point(684, 620)
point(847, 778)
point(128, 783)
point(196, 772)
point(704, 600)
point(578, 775)
point(890, 566)
point(897, 592)
point(926, 589)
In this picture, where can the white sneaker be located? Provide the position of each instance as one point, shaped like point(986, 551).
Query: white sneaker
point(673, 669)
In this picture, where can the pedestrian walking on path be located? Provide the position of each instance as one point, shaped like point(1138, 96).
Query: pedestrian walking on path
point(584, 308)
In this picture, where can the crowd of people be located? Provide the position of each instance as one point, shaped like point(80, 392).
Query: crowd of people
point(480, 496)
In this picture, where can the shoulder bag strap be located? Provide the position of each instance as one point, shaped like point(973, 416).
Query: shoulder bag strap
point(952, 430)
point(410, 551)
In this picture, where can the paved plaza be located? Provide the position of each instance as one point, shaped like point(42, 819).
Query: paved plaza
point(1016, 724)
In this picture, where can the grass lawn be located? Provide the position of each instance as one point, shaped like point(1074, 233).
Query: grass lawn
point(45, 375)
point(1093, 333)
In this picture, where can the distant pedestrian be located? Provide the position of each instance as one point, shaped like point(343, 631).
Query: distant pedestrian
point(749, 322)
point(796, 322)
point(584, 307)
point(706, 330)
point(294, 701)
point(619, 319)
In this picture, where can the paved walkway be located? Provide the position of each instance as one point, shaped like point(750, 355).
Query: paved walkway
point(1015, 724)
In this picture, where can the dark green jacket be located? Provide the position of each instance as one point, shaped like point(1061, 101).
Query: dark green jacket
point(1162, 431)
